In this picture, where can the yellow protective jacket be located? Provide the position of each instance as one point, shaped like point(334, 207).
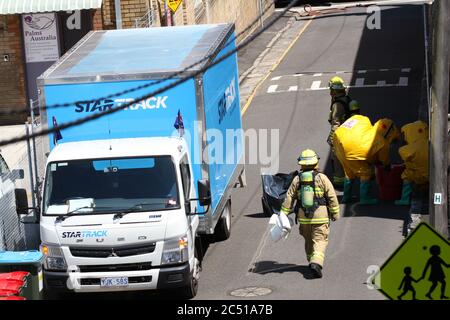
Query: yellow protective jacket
point(415, 153)
point(323, 188)
point(362, 141)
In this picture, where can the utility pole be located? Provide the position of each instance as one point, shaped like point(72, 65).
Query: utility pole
point(118, 10)
point(439, 114)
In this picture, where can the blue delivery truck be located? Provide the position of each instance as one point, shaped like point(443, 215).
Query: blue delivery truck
point(128, 198)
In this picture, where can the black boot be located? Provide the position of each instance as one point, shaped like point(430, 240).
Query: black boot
point(316, 269)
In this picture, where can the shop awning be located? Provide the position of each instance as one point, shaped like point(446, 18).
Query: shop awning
point(32, 6)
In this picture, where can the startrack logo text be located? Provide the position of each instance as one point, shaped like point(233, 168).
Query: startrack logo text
point(107, 104)
point(84, 234)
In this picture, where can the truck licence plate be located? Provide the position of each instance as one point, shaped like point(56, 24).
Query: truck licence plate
point(114, 282)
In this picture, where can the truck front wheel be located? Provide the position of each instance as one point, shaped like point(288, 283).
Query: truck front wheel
point(223, 227)
point(190, 290)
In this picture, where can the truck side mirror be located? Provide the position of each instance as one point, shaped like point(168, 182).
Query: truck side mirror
point(21, 201)
point(22, 207)
point(17, 174)
point(204, 193)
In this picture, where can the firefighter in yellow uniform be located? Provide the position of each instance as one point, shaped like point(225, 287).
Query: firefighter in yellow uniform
point(359, 146)
point(317, 203)
point(340, 110)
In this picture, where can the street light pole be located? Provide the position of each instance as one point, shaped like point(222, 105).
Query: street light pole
point(439, 114)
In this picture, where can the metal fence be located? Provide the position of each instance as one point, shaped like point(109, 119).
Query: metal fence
point(30, 157)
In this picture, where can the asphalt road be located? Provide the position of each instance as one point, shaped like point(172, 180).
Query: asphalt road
point(384, 68)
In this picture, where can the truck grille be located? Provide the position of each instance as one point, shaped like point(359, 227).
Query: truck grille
point(117, 267)
point(102, 252)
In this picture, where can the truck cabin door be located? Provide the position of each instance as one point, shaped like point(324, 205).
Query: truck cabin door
point(188, 191)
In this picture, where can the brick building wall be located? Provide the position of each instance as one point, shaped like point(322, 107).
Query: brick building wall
point(12, 84)
point(132, 10)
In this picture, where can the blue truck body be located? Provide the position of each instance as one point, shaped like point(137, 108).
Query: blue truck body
point(107, 62)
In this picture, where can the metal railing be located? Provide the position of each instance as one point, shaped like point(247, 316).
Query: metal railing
point(147, 20)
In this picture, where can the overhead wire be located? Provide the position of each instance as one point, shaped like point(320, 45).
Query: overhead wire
point(146, 85)
point(95, 116)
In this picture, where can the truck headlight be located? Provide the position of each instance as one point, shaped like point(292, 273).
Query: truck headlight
point(54, 257)
point(175, 250)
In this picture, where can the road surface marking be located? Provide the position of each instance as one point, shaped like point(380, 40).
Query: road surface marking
point(316, 85)
point(381, 83)
point(293, 88)
point(403, 82)
point(272, 89)
point(252, 95)
point(358, 71)
point(359, 82)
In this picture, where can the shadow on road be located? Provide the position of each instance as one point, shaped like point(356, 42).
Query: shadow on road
point(264, 267)
point(257, 215)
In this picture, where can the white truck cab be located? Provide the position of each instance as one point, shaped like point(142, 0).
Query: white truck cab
point(117, 215)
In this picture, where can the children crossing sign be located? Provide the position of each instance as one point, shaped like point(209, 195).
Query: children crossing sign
point(418, 269)
point(174, 4)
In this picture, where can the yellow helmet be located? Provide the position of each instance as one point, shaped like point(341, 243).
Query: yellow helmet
point(336, 83)
point(308, 157)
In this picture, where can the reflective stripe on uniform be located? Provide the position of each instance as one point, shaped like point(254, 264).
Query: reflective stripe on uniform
point(313, 220)
point(334, 210)
point(285, 210)
point(318, 256)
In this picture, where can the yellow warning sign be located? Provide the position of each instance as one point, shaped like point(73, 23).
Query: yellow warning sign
point(418, 269)
point(174, 4)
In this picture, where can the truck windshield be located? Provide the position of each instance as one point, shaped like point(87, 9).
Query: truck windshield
point(111, 185)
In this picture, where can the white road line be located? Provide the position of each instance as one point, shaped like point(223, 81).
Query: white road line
point(316, 85)
point(276, 78)
point(362, 71)
point(272, 89)
point(403, 81)
point(383, 70)
point(293, 88)
point(406, 69)
point(317, 75)
point(298, 75)
point(359, 82)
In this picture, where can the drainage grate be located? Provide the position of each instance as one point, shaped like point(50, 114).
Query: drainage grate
point(251, 292)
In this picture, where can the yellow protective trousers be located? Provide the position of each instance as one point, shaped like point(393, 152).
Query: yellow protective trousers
point(316, 241)
point(354, 168)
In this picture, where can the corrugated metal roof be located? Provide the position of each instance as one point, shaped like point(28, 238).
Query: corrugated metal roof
point(31, 6)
